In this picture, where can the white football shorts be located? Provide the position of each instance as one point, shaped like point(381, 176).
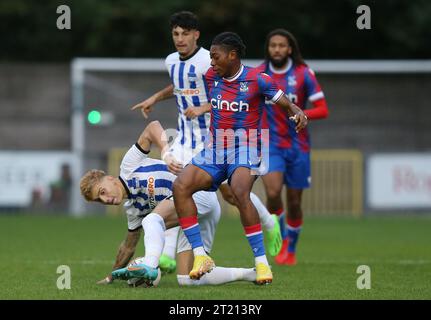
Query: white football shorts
point(208, 217)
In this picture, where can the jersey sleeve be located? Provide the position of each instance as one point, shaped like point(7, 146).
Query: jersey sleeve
point(209, 77)
point(268, 87)
point(206, 64)
point(319, 110)
point(262, 67)
point(134, 222)
point(132, 159)
point(312, 87)
point(167, 66)
point(205, 68)
point(169, 61)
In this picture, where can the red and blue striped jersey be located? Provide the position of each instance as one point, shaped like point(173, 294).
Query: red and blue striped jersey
point(238, 103)
point(300, 84)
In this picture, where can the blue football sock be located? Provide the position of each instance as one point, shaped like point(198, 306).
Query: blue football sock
point(292, 235)
point(255, 239)
point(192, 231)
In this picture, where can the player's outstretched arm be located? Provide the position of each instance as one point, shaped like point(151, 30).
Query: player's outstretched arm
point(295, 113)
point(153, 133)
point(146, 106)
point(124, 254)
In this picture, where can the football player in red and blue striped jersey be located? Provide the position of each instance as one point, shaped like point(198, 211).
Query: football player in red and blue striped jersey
point(289, 150)
point(237, 95)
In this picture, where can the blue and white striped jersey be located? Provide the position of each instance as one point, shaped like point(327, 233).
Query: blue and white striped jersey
point(190, 89)
point(147, 181)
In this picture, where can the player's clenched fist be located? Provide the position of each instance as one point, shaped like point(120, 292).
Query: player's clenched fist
point(173, 164)
point(300, 119)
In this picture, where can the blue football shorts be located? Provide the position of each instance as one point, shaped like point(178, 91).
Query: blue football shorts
point(293, 163)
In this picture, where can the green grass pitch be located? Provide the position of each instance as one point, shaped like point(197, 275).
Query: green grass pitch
point(396, 248)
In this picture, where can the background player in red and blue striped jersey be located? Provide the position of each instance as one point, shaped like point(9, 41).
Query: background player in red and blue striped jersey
point(289, 150)
point(237, 95)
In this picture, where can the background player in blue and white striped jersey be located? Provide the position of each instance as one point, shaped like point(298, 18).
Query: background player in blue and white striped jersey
point(146, 184)
point(187, 67)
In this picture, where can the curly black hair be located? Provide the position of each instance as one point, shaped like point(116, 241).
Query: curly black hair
point(296, 53)
point(231, 41)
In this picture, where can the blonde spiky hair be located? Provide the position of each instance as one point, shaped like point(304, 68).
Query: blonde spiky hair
point(88, 181)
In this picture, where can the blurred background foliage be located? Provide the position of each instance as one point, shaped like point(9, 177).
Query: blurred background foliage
point(140, 28)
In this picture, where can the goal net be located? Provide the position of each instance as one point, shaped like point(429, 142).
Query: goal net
point(104, 90)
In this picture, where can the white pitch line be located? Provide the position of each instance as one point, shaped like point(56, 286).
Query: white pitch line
point(230, 262)
point(68, 262)
point(365, 261)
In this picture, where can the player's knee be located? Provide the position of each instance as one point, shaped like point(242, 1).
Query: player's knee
point(179, 188)
point(241, 194)
point(273, 192)
point(152, 219)
point(228, 197)
point(154, 123)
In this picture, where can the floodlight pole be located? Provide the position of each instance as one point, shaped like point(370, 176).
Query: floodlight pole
point(77, 205)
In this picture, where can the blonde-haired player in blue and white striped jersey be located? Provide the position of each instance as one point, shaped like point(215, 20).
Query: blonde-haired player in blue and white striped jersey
point(146, 184)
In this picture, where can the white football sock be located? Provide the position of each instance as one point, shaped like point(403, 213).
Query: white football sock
point(219, 275)
point(261, 259)
point(199, 251)
point(171, 236)
point(154, 238)
point(264, 215)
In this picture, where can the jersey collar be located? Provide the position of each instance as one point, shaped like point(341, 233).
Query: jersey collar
point(236, 76)
point(284, 70)
point(190, 56)
point(125, 187)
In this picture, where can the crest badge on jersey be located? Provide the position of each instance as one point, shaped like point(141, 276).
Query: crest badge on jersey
point(291, 81)
point(192, 77)
point(243, 86)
